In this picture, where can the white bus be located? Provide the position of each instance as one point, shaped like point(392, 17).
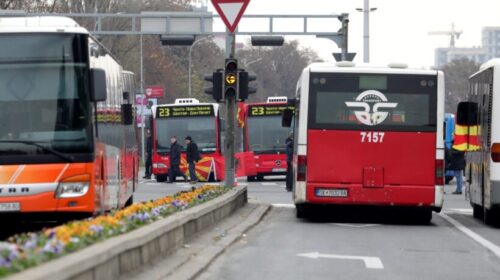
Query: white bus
point(482, 173)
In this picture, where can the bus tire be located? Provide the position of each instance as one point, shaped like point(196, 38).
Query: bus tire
point(260, 178)
point(477, 211)
point(302, 211)
point(211, 177)
point(490, 216)
point(130, 201)
point(161, 178)
point(425, 216)
point(250, 178)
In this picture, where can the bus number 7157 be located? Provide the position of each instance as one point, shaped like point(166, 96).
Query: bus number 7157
point(372, 137)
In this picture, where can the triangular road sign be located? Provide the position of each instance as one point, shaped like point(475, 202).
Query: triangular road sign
point(230, 11)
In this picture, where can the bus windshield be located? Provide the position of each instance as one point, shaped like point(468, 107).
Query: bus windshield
point(44, 102)
point(265, 134)
point(373, 102)
point(201, 129)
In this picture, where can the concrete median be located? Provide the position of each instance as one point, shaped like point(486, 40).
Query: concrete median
point(120, 255)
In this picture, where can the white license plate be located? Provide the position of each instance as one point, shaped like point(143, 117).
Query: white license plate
point(279, 169)
point(331, 192)
point(10, 207)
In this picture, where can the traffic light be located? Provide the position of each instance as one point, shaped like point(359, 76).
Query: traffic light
point(217, 84)
point(243, 80)
point(231, 78)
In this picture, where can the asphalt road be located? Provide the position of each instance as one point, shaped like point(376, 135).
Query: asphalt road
point(360, 244)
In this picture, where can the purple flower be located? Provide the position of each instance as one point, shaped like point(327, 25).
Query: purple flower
point(96, 228)
point(53, 247)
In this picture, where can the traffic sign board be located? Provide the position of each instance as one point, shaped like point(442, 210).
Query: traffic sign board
point(154, 92)
point(230, 11)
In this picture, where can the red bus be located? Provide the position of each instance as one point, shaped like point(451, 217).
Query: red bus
point(68, 145)
point(369, 136)
point(188, 117)
point(264, 136)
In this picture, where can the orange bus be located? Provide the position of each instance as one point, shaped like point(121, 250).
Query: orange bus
point(68, 144)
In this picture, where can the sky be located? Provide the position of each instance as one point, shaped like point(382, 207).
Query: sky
point(398, 28)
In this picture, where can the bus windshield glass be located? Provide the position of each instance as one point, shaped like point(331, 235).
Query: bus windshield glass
point(266, 135)
point(373, 102)
point(201, 129)
point(44, 102)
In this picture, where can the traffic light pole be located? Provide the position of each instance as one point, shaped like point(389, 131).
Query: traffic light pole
point(230, 121)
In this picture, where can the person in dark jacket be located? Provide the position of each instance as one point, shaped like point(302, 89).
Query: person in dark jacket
point(289, 159)
point(175, 161)
point(192, 157)
point(149, 155)
point(455, 161)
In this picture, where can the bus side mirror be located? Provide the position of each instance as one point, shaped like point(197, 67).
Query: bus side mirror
point(127, 114)
point(467, 113)
point(286, 118)
point(98, 85)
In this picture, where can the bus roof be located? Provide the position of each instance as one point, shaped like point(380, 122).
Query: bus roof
point(42, 24)
point(349, 67)
point(495, 62)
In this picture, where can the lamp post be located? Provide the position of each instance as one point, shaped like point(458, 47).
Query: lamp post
point(190, 60)
point(366, 29)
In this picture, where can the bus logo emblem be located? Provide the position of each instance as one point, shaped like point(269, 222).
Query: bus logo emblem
point(371, 101)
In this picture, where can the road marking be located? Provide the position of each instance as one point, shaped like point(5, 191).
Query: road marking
point(370, 262)
point(268, 184)
point(357, 226)
point(283, 205)
point(474, 236)
point(465, 211)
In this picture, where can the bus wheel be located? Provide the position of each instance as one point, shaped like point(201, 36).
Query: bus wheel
point(211, 177)
point(161, 178)
point(490, 216)
point(130, 201)
point(250, 178)
point(302, 211)
point(260, 178)
point(477, 211)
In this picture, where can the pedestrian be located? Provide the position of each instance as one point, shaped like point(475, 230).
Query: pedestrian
point(175, 161)
point(149, 155)
point(456, 163)
point(192, 157)
point(289, 159)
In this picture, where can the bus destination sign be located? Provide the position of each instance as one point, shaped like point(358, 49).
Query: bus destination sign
point(275, 110)
point(185, 111)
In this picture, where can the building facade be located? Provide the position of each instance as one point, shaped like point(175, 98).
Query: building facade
point(490, 49)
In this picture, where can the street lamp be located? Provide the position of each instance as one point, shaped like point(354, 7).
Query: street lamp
point(366, 30)
point(252, 62)
point(189, 66)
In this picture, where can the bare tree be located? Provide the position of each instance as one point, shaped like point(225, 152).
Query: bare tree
point(277, 68)
point(456, 74)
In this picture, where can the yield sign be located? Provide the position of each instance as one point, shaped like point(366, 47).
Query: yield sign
point(230, 11)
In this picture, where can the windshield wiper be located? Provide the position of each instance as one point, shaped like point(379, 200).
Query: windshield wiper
point(38, 145)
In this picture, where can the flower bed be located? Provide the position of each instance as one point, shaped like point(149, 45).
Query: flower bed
point(30, 249)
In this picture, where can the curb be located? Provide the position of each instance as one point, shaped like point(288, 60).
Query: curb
point(208, 255)
point(125, 253)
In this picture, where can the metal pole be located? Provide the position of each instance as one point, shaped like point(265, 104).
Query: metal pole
point(142, 105)
point(366, 31)
point(189, 69)
point(229, 159)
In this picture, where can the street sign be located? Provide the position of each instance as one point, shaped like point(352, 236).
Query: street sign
point(154, 92)
point(230, 11)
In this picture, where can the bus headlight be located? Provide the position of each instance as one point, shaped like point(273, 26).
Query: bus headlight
point(73, 187)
